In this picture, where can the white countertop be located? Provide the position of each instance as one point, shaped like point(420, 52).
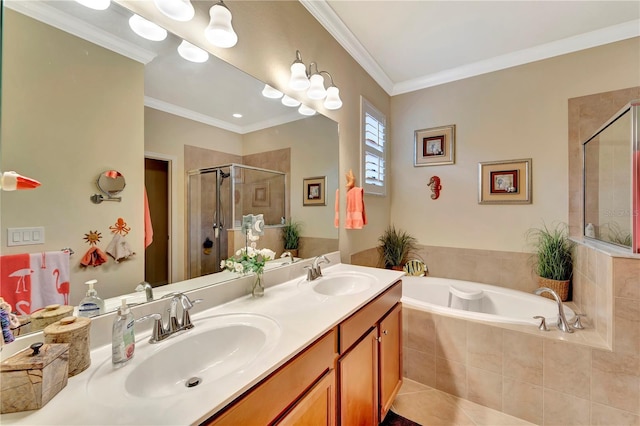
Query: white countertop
point(302, 315)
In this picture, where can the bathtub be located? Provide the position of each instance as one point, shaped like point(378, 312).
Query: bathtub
point(475, 301)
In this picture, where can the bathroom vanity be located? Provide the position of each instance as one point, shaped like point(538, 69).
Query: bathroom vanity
point(320, 352)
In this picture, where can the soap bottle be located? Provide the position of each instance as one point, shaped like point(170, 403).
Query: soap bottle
point(91, 305)
point(124, 343)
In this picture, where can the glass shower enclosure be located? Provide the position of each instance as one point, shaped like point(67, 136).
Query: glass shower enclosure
point(217, 198)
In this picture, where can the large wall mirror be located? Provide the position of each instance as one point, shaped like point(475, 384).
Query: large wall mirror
point(611, 181)
point(81, 94)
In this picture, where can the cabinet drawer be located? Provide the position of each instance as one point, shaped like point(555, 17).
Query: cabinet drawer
point(354, 327)
point(269, 399)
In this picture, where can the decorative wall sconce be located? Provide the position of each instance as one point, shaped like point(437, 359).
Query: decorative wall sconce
point(434, 183)
point(312, 81)
point(220, 31)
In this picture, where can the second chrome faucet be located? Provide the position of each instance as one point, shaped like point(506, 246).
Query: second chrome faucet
point(174, 324)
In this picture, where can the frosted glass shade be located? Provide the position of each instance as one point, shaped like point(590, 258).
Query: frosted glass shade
point(298, 80)
point(333, 100)
point(95, 4)
point(316, 89)
point(219, 32)
point(305, 110)
point(192, 53)
point(147, 29)
point(270, 92)
point(179, 10)
point(289, 101)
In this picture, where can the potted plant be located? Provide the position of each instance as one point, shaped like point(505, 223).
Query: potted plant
point(553, 258)
point(395, 248)
point(291, 237)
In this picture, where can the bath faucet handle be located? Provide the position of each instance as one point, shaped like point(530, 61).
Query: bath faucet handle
point(577, 324)
point(310, 273)
point(543, 323)
point(158, 330)
point(186, 317)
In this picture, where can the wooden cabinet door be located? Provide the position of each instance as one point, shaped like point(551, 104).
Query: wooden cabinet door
point(317, 407)
point(358, 378)
point(390, 358)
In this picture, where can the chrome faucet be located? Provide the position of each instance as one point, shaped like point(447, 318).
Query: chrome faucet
point(563, 325)
point(314, 271)
point(284, 256)
point(148, 290)
point(174, 325)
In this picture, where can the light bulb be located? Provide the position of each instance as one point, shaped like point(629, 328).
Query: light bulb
point(305, 110)
point(192, 53)
point(316, 89)
point(219, 32)
point(179, 10)
point(333, 100)
point(95, 4)
point(289, 101)
point(270, 92)
point(147, 29)
point(299, 80)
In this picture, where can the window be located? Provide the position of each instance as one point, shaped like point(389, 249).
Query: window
point(373, 152)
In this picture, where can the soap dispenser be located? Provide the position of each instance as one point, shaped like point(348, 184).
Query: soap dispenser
point(123, 337)
point(91, 305)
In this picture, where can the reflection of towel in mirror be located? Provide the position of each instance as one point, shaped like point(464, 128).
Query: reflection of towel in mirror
point(119, 248)
point(356, 216)
point(93, 257)
point(336, 219)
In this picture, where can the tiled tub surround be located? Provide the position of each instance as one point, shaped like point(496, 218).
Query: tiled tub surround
point(545, 378)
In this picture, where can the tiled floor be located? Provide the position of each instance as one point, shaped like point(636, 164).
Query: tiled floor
point(431, 407)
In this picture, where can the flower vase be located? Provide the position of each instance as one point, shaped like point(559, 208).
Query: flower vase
point(257, 289)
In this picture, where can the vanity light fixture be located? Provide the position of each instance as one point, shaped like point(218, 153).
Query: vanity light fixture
point(312, 80)
point(219, 32)
point(179, 10)
point(147, 29)
point(192, 53)
point(305, 110)
point(271, 93)
point(289, 101)
point(95, 4)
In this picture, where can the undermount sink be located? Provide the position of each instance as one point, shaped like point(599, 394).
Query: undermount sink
point(216, 348)
point(342, 283)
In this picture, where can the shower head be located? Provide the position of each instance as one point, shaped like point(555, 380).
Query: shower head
point(224, 175)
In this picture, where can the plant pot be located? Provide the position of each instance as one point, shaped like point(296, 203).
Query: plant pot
point(560, 287)
point(397, 268)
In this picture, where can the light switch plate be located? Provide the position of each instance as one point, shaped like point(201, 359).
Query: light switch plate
point(25, 236)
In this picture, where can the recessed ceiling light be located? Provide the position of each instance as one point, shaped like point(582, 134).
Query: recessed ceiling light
point(236, 115)
point(147, 29)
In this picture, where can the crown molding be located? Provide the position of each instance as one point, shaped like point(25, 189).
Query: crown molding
point(42, 12)
point(324, 14)
point(572, 44)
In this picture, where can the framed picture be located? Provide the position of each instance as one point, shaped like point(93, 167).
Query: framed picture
point(435, 146)
point(504, 182)
point(260, 196)
point(314, 191)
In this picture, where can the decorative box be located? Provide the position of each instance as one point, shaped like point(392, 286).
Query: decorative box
point(52, 313)
point(30, 378)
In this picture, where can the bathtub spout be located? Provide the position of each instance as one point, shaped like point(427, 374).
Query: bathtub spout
point(563, 325)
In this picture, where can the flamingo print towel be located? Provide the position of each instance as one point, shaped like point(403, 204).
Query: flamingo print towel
point(33, 281)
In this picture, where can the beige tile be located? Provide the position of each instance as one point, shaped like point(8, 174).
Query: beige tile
point(605, 415)
point(604, 267)
point(615, 381)
point(484, 388)
point(626, 278)
point(411, 386)
point(420, 366)
point(451, 377)
point(421, 332)
point(567, 368)
point(522, 357)
point(516, 272)
point(603, 321)
point(431, 408)
point(484, 416)
point(522, 400)
point(564, 410)
point(626, 333)
point(484, 347)
point(451, 341)
point(591, 264)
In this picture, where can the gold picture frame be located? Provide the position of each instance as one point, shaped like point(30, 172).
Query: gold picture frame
point(435, 146)
point(314, 191)
point(504, 182)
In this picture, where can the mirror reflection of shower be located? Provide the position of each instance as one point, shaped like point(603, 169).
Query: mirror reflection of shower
point(217, 199)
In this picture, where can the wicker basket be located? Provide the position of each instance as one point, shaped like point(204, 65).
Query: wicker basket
point(560, 287)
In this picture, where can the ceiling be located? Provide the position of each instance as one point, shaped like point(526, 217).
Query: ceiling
point(410, 45)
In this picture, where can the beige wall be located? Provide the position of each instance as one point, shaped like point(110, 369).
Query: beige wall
point(516, 113)
point(49, 133)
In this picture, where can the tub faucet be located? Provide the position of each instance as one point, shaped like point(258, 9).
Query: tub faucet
point(314, 271)
point(563, 325)
point(148, 290)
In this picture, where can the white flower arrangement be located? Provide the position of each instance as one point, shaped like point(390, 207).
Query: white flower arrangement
point(248, 260)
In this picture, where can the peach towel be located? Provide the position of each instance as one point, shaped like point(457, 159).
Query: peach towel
point(356, 216)
point(148, 227)
point(336, 219)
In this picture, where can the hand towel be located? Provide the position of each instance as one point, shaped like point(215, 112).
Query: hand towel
point(356, 215)
point(119, 248)
point(15, 281)
point(148, 226)
point(336, 219)
point(94, 257)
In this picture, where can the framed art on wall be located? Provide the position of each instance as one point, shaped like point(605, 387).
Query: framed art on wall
point(261, 196)
point(504, 182)
point(434, 146)
point(314, 191)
